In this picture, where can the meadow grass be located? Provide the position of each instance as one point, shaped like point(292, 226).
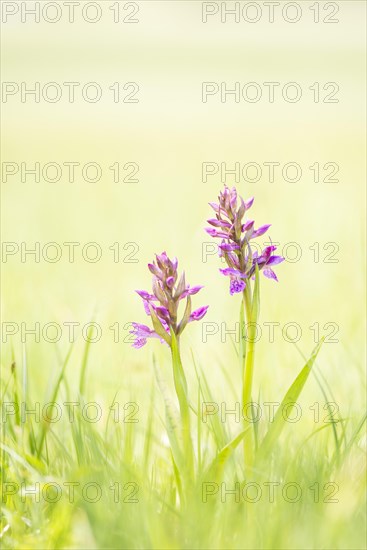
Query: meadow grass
point(117, 483)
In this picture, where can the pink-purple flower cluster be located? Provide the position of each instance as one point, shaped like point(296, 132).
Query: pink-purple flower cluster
point(236, 234)
point(162, 305)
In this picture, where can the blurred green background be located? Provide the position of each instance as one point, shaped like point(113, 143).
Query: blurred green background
point(169, 133)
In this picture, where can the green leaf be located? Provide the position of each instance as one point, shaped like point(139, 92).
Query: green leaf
point(256, 297)
point(215, 470)
point(181, 286)
point(158, 327)
point(291, 396)
point(172, 418)
point(186, 316)
point(83, 370)
point(242, 346)
point(178, 372)
point(182, 395)
point(53, 398)
point(157, 290)
point(149, 430)
point(218, 428)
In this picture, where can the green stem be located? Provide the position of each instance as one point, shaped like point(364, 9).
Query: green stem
point(242, 350)
point(248, 373)
point(181, 391)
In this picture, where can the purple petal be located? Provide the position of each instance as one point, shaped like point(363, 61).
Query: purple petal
point(162, 313)
point(162, 258)
point(198, 313)
point(141, 331)
point(275, 260)
point(233, 260)
point(225, 193)
point(165, 326)
point(155, 270)
point(214, 233)
point(139, 343)
point(195, 289)
point(248, 225)
point(215, 206)
point(146, 307)
point(230, 272)
point(218, 209)
point(269, 273)
point(249, 203)
point(236, 285)
point(266, 253)
point(228, 247)
point(261, 230)
point(190, 291)
point(233, 198)
point(218, 223)
point(145, 295)
point(170, 282)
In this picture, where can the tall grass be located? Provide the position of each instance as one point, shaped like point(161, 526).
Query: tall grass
point(152, 486)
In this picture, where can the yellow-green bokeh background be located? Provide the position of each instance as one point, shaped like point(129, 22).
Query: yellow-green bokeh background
point(170, 133)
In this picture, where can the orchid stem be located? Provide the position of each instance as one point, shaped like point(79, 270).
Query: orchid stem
point(182, 395)
point(248, 360)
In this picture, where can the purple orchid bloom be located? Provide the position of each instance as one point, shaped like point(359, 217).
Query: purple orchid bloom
point(147, 299)
point(190, 291)
point(236, 235)
point(228, 247)
point(237, 277)
point(265, 260)
point(198, 313)
point(162, 306)
point(260, 231)
point(141, 334)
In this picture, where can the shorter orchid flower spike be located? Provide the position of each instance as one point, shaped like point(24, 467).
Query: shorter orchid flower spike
point(162, 305)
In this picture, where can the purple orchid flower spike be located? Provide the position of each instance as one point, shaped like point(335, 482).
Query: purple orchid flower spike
point(236, 235)
point(162, 305)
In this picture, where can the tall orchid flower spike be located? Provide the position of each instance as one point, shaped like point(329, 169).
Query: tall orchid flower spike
point(162, 305)
point(168, 290)
point(236, 234)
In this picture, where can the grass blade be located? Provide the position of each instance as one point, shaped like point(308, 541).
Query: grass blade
point(291, 396)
